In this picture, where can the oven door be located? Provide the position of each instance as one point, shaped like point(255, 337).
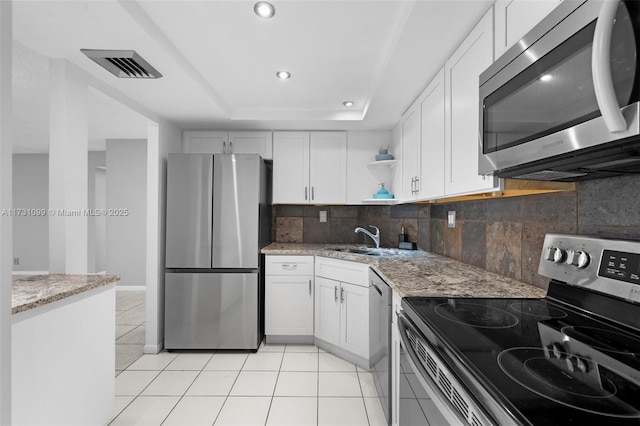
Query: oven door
point(424, 375)
point(562, 87)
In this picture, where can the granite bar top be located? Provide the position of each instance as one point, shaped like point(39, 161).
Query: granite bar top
point(420, 273)
point(33, 291)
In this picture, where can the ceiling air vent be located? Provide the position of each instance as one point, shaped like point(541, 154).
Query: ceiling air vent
point(122, 63)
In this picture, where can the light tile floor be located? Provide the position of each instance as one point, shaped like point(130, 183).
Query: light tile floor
point(278, 385)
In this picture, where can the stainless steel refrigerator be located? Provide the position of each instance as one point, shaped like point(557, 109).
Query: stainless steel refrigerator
point(218, 219)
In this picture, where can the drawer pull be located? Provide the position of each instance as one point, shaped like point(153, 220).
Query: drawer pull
point(286, 267)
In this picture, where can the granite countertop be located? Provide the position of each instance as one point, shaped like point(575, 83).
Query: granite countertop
point(420, 273)
point(31, 292)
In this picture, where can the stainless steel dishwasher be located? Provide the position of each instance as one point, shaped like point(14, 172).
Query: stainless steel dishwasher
point(380, 339)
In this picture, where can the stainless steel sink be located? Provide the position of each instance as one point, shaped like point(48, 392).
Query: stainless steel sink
point(365, 251)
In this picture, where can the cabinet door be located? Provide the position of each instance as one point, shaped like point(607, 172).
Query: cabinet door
point(462, 71)
point(514, 19)
point(205, 142)
point(252, 143)
point(432, 139)
point(327, 310)
point(289, 305)
point(354, 319)
point(291, 168)
point(411, 153)
point(328, 168)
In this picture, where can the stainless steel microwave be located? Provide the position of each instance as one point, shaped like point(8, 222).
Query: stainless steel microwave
point(563, 104)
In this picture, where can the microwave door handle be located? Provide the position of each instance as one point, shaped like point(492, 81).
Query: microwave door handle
point(601, 68)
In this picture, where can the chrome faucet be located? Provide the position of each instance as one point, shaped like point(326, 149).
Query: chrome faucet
point(375, 238)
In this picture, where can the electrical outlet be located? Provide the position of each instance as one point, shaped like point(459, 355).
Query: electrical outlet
point(451, 219)
point(323, 215)
point(16, 261)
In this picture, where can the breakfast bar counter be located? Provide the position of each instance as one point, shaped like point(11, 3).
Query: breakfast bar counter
point(63, 349)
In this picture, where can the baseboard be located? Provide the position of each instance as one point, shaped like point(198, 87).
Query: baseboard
point(131, 287)
point(153, 349)
point(292, 340)
point(341, 353)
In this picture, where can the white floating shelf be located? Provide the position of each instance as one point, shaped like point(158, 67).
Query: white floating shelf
point(381, 201)
point(383, 164)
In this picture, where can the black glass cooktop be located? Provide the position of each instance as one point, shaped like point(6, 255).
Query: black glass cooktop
point(546, 362)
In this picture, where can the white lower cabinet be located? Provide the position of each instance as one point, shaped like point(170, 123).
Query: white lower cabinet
point(288, 296)
point(342, 305)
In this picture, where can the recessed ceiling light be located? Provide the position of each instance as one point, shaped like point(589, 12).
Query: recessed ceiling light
point(348, 103)
point(264, 9)
point(283, 75)
point(546, 77)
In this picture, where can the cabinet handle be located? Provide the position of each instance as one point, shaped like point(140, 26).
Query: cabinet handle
point(305, 193)
point(342, 295)
point(286, 267)
point(230, 147)
point(313, 197)
point(335, 293)
point(224, 147)
point(417, 185)
point(413, 185)
point(309, 287)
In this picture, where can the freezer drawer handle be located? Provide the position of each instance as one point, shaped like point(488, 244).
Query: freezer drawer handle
point(287, 267)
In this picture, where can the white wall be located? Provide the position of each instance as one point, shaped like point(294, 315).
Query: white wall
point(31, 191)
point(163, 139)
point(95, 224)
point(126, 190)
point(6, 231)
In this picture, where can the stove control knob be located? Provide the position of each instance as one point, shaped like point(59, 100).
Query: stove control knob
point(580, 259)
point(559, 255)
point(557, 349)
point(576, 363)
point(548, 255)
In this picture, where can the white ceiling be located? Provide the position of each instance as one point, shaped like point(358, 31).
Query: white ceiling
point(219, 60)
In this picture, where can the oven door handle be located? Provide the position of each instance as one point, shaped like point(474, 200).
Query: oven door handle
point(403, 324)
point(601, 68)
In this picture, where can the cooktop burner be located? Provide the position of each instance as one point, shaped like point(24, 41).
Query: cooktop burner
point(592, 388)
point(476, 314)
point(537, 308)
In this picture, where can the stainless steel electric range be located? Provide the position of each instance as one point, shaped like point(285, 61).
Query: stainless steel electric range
point(570, 358)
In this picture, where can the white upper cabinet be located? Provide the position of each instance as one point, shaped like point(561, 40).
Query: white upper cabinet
point(411, 153)
point(462, 72)
point(432, 139)
point(221, 142)
point(514, 18)
point(309, 167)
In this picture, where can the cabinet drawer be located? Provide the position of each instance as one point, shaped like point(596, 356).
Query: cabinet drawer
point(288, 265)
point(343, 270)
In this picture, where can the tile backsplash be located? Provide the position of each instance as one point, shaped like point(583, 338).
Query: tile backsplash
point(502, 235)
